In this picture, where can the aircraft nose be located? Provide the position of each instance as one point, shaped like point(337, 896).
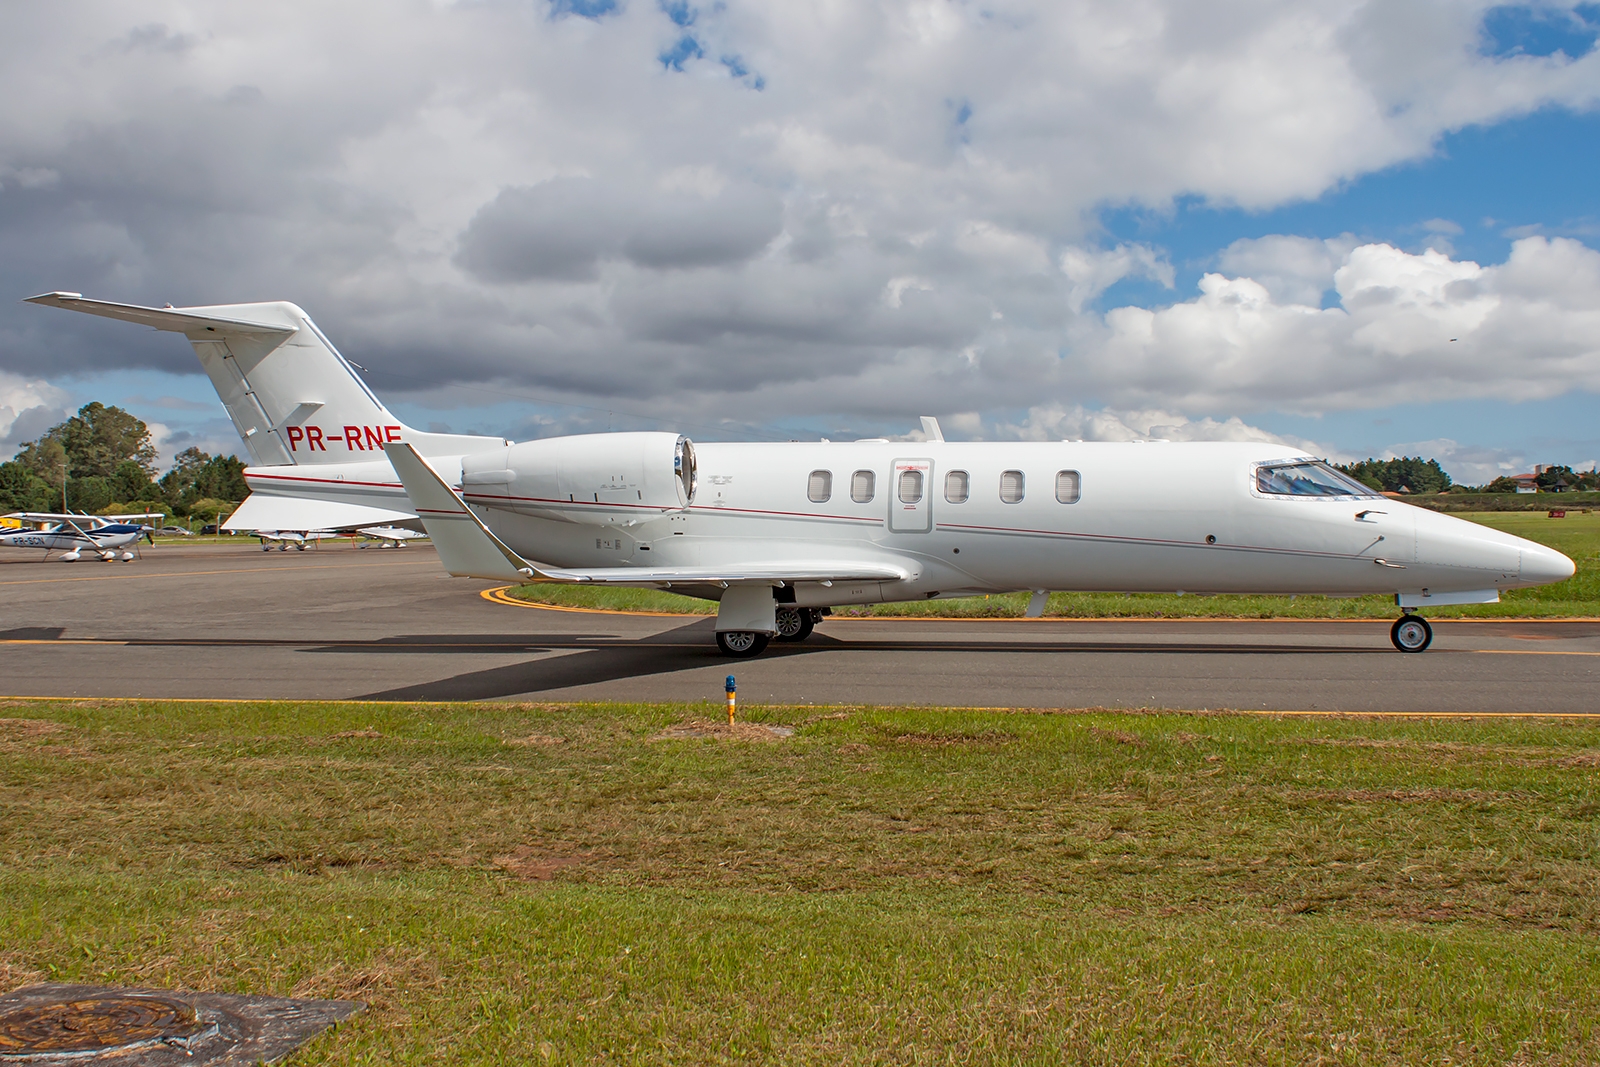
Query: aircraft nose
point(1541, 565)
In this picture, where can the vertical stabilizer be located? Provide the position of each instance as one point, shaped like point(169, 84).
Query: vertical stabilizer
point(293, 398)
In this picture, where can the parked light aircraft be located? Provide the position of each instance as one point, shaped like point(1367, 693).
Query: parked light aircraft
point(71, 534)
point(779, 533)
point(283, 539)
point(387, 536)
point(382, 536)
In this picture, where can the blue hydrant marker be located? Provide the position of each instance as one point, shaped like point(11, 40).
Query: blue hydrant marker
point(730, 687)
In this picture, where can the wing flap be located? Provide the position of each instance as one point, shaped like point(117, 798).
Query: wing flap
point(775, 571)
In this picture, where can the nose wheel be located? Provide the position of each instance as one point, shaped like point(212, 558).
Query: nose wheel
point(1411, 633)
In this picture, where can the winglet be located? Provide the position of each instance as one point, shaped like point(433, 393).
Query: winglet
point(466, 546)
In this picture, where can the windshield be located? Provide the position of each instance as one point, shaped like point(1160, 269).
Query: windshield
point(1307, 478)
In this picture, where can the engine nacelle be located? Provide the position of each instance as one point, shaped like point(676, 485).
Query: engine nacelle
point(599, 478)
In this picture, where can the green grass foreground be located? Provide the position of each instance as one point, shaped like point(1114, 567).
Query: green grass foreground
point(1578, 535)
point(562, 884)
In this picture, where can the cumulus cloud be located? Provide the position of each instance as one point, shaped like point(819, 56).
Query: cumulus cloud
point(28, 407)
point(1090, 272)
point(774, 209)
point(563, 228)
point(1293, 270)
point(1407, 327)
point(1056, 422)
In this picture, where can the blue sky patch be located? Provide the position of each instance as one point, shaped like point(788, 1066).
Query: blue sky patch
point(1525, 29)
point(589, 9)
point(1498, 183)
point(686, 49)
point(679, 12)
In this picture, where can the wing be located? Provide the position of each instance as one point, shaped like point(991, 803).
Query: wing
point(264, 511)
point(469, 549)
point(56, 516)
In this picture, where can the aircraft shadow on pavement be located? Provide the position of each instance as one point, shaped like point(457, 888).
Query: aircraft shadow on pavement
point(33, 633)
point(602, 659)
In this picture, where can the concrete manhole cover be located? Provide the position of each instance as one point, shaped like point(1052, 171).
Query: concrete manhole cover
point(46, 1025)
point(99, 1023)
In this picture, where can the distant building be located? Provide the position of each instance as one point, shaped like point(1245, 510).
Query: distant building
point(1529, 483)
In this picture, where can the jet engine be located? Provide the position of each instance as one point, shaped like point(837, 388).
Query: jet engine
point(601, 478)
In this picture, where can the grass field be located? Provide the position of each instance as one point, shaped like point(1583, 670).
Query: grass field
point(563, 884)
point(1578, 536)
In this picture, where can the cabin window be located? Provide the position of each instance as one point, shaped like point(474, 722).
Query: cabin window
point(862, 485)
point(910, 487)
point(1011, 487)
point(1308, 478)
point(819, 487)
point(957, 487)
point(1067, 486)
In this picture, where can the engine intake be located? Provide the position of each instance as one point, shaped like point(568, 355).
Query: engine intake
point(600, 478)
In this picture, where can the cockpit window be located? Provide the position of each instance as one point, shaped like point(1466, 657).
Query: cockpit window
point(1308, 478)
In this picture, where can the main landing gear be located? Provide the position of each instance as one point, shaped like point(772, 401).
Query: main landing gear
point(794, 624)
point(741, 644)
point(1411, 633)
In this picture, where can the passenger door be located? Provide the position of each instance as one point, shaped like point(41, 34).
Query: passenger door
point(910, 496)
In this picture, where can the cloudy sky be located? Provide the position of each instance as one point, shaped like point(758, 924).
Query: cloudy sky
point(1360, 228)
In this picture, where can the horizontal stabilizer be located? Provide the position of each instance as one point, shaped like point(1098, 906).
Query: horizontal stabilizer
point(185, 321)
point(265, 511)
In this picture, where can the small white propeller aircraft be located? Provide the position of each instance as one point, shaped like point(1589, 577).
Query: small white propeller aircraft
point(387, 536)
point(779, 533)
point(71, 534)
point(283, 539)
point(381, 536)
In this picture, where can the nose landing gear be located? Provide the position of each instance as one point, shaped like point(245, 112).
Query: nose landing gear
point(1411, 633)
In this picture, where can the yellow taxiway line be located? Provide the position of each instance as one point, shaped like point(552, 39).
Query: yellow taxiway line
point(998, 709)
point(498, 595)
point(123, 577)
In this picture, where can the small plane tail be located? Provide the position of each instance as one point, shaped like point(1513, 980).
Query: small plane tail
point(293, 398)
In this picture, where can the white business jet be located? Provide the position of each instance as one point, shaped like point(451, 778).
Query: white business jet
point(71, 534)
point(779, 533)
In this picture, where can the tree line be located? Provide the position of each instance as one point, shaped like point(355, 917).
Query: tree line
point(102, 460)
point(1413, 474)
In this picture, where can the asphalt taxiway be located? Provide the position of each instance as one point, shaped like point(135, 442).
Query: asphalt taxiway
point(339, 623)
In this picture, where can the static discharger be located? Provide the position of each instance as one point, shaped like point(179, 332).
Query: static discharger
point(58, 1024)
point(731, 691)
